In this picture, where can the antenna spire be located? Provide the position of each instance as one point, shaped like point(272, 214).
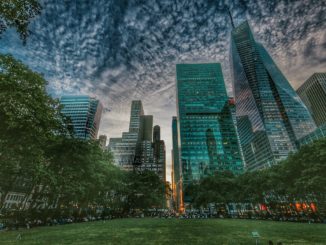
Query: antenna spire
point(231, 18)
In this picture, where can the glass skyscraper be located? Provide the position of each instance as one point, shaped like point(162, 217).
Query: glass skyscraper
point(318, 134)
point(313, 94)
point(208, 140)
point(85, 114)
point(176, 168)
point(270, 115)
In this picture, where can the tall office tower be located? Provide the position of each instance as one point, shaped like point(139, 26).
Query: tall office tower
point(156, 142)
point(156, 133)
point(173, 187)
point(318, 134)
point(160, 159)
point(270, 115)
point(208, 139)
point(135, 150)
point(176, 177)
point(234, 119)
point(313, 94)
point(102, 140)
point(135, 113)
point(144, 151)
point(124, 148)
point(152, 152)
point(85, 114)
point(146, 128)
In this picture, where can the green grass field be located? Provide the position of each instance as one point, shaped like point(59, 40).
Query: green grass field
point(170, 231)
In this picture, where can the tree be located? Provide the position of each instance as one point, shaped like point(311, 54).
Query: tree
point(301, 177)
point(29, 119)
point(217, 188)
point(80, 174)
point(143, 190)
point(306, 171)
point(18, 14)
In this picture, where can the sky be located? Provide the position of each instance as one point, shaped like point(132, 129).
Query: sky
point(119, 50)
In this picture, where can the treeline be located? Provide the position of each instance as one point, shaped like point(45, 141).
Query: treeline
point(301, 178)
point(40, 157)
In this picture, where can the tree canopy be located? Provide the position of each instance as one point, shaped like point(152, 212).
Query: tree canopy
point(18, 14)
point(301, 177)
point(40, 156)
point(29, 119)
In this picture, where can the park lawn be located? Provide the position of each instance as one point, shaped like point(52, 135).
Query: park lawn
point(170, 231)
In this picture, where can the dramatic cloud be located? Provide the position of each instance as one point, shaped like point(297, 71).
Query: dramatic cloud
point(122, 50)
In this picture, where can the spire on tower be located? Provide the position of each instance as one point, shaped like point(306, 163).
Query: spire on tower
point(231, 18)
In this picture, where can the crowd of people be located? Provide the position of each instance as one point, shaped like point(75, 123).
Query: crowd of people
point(14, 223)
point(296, 217)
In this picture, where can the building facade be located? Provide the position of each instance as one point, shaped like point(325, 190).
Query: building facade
point(124, 149)
point(84, 113)
point(156, 151)
point(270, 115)
point(156, 133)
point(144, 151)
point(208, 139)
point(313, 94)
point(159, 152)
point(102, 141)
point(176, 167)
point(319, 133)
point(135, 150)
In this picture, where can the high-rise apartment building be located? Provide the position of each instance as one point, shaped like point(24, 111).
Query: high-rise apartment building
point(85, 114)
point(270, 115)
point(313, 94)
point(208, 139)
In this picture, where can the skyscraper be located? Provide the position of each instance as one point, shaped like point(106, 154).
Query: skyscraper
point(156, 142)
point(313, 94)
point(318, 134)
point(135, 113)
point(270, 115)
point(144, 151)
point(159, 153)
point(146, 127)
point(124, 148)
point(156, 133)
point(85, 114)
point(176, 168)
point(208, 140)
point(135, 149)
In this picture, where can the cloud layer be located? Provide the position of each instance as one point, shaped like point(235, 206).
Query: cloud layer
point(122, 50)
